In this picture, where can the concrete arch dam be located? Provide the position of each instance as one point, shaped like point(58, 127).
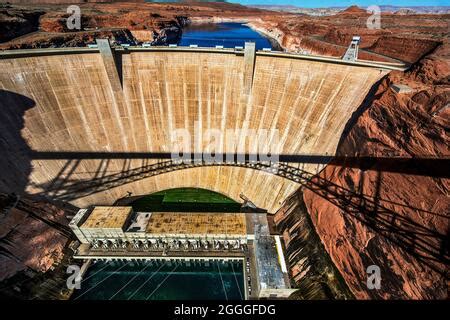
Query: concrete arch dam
point(109, 101)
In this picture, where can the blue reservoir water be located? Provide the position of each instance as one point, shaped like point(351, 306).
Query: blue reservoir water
point(228, 34)
point(162, 281)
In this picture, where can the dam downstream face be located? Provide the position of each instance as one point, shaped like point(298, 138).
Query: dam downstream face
point(67, 103)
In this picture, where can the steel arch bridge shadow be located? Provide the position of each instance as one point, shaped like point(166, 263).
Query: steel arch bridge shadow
point(427, 245)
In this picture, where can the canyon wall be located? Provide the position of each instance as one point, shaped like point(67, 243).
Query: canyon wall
point(15, 23)
point(405, 38)
point(66, 102)
point(73, 39)
point(414, 49)
point(34, 253)
point(399, 222)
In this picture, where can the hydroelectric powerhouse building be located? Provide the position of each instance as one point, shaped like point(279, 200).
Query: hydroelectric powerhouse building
point(120, 234)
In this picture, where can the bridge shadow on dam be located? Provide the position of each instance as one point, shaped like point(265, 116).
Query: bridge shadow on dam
point(71, 183)
point(427, 245)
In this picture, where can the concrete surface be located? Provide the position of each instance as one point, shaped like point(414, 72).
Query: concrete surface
point(65, 102)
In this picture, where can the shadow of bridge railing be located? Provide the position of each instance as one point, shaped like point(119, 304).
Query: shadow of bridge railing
point(425, 166)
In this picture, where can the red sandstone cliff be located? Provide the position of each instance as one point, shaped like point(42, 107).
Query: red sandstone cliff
point(396, 221)
point(33, 240)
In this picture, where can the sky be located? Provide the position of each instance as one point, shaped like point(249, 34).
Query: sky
point(346, 3)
